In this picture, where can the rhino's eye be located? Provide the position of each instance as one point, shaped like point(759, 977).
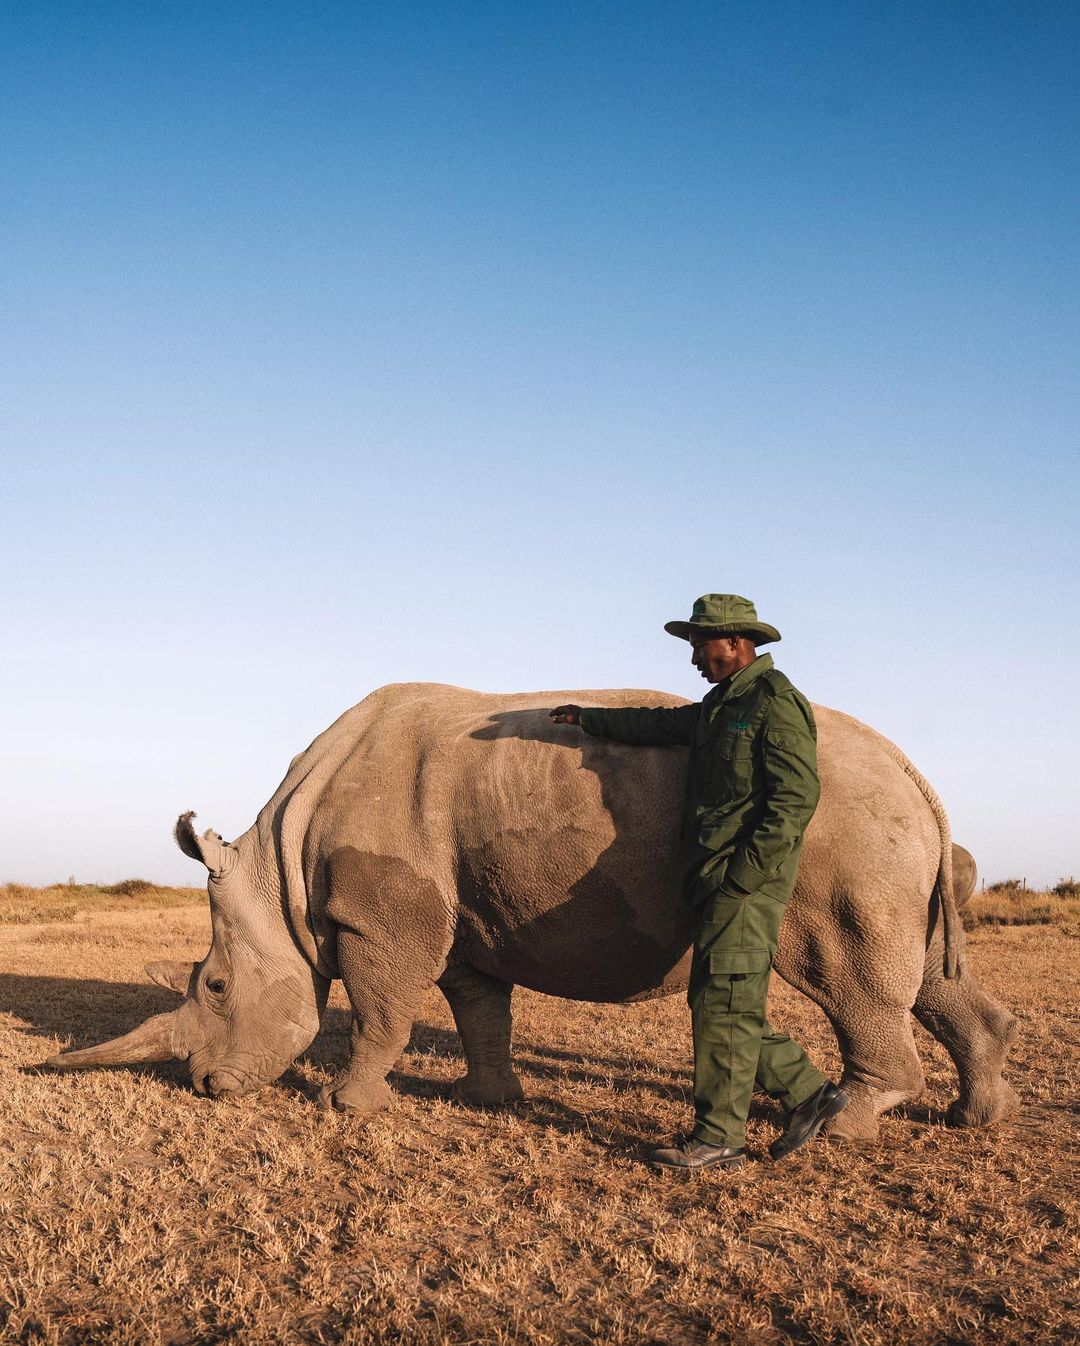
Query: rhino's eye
point(215, 984)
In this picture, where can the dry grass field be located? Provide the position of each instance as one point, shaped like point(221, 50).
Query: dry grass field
point(133, 1211)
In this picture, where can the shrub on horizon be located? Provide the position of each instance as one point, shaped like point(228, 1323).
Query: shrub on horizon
point(129, 888)
point(1006, 886)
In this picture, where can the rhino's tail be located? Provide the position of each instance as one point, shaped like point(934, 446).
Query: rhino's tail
point(946, 893)
point(952, 963)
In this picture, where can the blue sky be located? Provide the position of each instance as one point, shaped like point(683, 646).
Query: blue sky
point(343, 344)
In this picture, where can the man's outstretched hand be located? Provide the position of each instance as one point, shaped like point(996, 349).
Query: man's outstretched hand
point(566, 714)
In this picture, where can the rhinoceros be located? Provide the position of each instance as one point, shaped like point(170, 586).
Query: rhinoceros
point(438, 836)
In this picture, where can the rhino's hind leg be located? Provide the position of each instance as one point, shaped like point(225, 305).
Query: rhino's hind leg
point(881, 1066)
point(977, 1032)
point(481, 1008)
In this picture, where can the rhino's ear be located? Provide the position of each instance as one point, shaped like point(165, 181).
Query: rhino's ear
point(215, 854)
point(173, 975)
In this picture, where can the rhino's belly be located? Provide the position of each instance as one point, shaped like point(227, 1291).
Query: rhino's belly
point(568, 870)
point(603, 934)
point(623, 968)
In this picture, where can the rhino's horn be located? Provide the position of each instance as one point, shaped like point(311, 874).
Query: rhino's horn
point(155, 1040)
point(173, 975)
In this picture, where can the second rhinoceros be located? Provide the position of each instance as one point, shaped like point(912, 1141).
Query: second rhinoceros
point(438, 836)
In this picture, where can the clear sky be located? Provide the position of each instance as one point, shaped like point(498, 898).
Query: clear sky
point(349, 343)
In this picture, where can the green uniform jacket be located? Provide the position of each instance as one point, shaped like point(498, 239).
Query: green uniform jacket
point(751, 781)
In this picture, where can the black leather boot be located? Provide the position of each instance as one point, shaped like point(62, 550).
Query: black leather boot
point(689, 1152)
point(804, 1122)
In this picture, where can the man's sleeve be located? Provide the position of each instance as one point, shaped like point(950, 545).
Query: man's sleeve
point(643, 725)
point(790, 757)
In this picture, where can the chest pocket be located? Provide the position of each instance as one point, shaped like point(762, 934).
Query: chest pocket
point(728, 760)
point(735, 762)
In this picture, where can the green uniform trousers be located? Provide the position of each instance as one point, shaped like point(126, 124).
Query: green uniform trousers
point(734, 1044)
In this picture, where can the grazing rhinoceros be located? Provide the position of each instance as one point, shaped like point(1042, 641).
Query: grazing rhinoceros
point(965, 875)
point(437, 836)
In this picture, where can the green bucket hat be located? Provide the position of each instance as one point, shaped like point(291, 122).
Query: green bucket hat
point(724, 615)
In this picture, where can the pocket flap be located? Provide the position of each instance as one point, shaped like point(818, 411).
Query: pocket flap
point(739, 960)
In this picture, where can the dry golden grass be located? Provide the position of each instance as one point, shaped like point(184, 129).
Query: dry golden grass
point(1029, 906)
point(22, 905)
point(132, 1211)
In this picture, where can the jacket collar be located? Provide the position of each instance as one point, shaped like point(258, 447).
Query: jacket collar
point(739, 682)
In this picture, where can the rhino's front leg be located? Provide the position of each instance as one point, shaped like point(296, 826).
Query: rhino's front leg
point(393, 936)
point(385, 1004)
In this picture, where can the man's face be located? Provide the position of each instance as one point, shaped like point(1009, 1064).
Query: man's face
point(718, 657)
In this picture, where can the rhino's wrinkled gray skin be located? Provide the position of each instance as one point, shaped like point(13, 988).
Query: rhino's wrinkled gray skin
point(434, 835)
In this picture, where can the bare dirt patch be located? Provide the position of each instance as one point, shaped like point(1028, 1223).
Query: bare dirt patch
point(133, 1211)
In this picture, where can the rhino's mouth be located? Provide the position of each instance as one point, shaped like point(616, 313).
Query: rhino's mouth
point(222, 1083)
point(234, 1077)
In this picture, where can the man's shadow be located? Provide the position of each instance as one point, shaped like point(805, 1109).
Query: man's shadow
point(620, 930)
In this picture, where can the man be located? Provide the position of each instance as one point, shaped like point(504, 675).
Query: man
point(751, 789)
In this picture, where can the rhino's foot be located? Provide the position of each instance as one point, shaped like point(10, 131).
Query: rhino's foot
point(487, 1090)
point(985, 1107)
point(858, 1121)
point(358, 1096)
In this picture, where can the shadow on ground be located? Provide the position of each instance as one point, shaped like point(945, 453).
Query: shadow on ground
point(84, 1010)
point(87, 1011)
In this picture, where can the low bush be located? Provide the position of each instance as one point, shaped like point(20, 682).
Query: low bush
point(130, 888)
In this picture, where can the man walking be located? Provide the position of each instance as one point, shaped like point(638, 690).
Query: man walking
point(751, 789)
